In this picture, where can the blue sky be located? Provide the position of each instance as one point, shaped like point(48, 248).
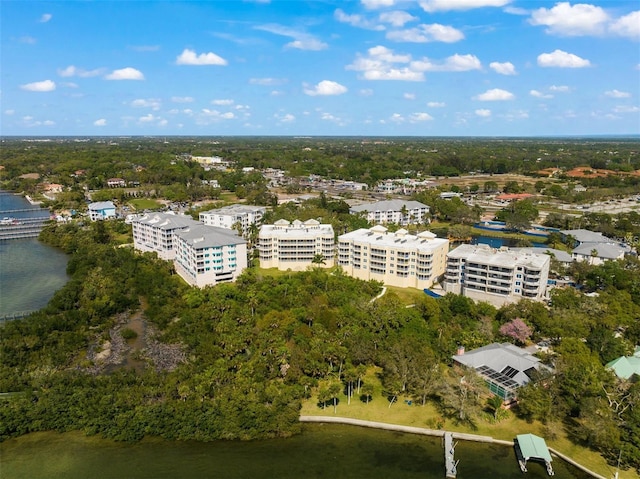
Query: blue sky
point(369, 67)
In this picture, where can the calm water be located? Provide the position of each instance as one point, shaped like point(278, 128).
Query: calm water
point(321, 451)
point(30, 272)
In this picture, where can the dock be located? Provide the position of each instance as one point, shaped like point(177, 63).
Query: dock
point(531, 447)
point(450, 464)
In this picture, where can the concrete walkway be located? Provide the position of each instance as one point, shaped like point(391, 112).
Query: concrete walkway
point(431, 432)
point(384, 290)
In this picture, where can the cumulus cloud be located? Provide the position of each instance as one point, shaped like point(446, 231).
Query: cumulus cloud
point(617, 94)
point(153, 103)
point(562, 59)
point(127, 73)
point(483, 113)
point(356, 20)
point(45, 17)
point(409, 96)
point(496, 94)
point(72, 71)
point(436, 104)
point(266, 81)
point(539, 94)
point(505, 68)
point(100, 122)
point(627, 26)
point(444, 5)
point(454, 63)
point(626, 109)
point(326, 87)
point(301, 40)
point(565, 19)
point(420, 116)
point(44, 85)
point(397, 18)
point(182, 99)
point(284, 117)
point(560, 88)
point(427, 33)
point(374, 4)
point(222, 102)
point(380, 63)
point(190, 57)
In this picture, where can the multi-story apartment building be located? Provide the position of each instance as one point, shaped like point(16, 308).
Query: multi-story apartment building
point(393, 211)
point(497, 276)
point(229, 216)
point(296, 245)
point(155, 232)
point(208, 255)
point(396, 259)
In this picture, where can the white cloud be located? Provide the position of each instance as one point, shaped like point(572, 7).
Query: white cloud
point(562, 59)
point(516, 115)
point(427, 33)
point(100, 122)
point(189, 57)
point(153, 103)
point(567, 20)
point(28, 40)
point(206, 116)
point(454, 63)
point(366, 92)
point(301, 40)
point(127, 73)
point(45, 85)
point(326, 87)
point(276, 93)
point(505, 68)
point(539, 94)
point(397, 118)
point(72, 70)
point(436, 104)
point(70, 84)
point(496, 94)
point(222, 102)
point(627, 26)
point(420, 116)
point(148, 118)
point(397, 18)
point(626, 109)
point(617, 94)
point(45, 17)
point(48, 123)
point(356, 20)
point(483, 113)
point(373, 4)
point(9, 112)
point(379, 64)
point(182, 99)
point(267, 81)
point(560, 88)
point(444, 5)
point(409, 96)
point(285, 117)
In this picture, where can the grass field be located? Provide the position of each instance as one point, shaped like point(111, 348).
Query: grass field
point(141, 204)
point(428, 416)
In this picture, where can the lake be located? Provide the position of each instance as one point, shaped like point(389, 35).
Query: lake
point(329, 451)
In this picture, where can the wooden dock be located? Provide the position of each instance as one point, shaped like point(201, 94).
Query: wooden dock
point(450, 464)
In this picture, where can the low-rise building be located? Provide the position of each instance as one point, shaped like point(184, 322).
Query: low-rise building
point(208, 255)
point(627, 367)
point(233, 215)
point(396, 259)
point(296, 245)
point(497, 276)
point(102, 210)
point(393, 211)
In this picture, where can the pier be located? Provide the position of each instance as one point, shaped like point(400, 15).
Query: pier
point(22, 228)
point(450, 464)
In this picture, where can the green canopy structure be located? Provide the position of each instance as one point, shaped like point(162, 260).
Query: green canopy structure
point(532, 447)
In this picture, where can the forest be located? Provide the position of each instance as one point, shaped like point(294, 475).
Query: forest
point(253, 350)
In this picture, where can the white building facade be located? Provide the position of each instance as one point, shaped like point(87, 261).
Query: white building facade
point(295, 245)
point(393, 211)
point(228, 216)
point(155, 232)
point(208, 255)
point(396, 259)
point(497, 276)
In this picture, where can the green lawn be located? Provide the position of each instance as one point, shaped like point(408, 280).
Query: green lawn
point(141, 204)
point(427, 416)
point(407, 295)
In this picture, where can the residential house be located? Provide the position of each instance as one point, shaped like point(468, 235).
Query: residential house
point(102, 210)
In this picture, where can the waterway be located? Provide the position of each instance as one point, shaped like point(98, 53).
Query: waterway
point(30, 271)
point(322, 451)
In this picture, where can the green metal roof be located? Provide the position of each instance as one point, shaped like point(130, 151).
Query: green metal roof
point(533, 446)
point(626, 366)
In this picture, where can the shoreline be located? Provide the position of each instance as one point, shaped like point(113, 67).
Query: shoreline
point(432, 432)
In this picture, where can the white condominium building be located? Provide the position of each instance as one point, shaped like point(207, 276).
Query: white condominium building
point(155, 232)
point(497, 276)
point(396, 259)
point(208, 255)
point(296, 245)
point(228, 216)
point(393, 211)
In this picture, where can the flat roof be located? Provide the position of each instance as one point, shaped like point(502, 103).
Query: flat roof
point(504, 257)
point(203, 236)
